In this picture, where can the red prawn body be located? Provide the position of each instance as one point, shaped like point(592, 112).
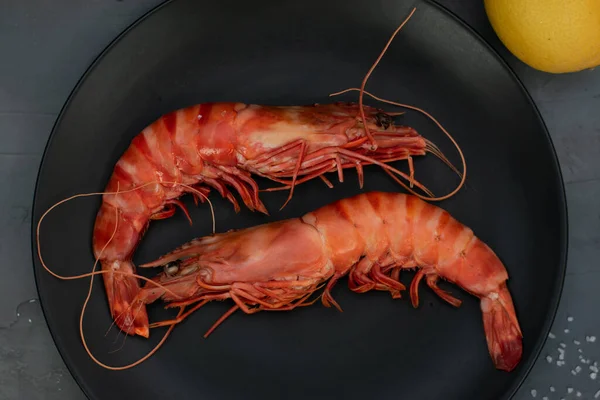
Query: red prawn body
point(222, 146)
point(368, 238)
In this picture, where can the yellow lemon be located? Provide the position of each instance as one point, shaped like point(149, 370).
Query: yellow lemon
point(549, 35)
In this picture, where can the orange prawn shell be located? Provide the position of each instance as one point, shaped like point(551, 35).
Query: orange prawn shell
point(369, 237)
point(295, 253)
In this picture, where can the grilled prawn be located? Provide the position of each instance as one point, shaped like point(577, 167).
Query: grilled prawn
point(223, 146)
point(368, 238)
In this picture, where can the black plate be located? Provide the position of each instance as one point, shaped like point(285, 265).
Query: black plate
point(297, 52)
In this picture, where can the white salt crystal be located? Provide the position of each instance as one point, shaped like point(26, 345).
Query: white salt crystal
point(551, 335)
point(569, 390)
point(560, 363)
point(545, 398)
point(549, 359)
point(562, 345)
point(29, 320)
point(573, 372)
point(578, 369)
point(579, 350)
point(552, 388)
point(577, 342)
point(593, 368)
point(567, 331)
point(597, 395)
point(593, 375)
point(570, 319)
point(533, 393)
point(561, 356)
point(578, 394)
point(590, 339)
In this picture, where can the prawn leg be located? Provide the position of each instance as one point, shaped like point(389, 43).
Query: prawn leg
point(326, 298)
point(432, 283)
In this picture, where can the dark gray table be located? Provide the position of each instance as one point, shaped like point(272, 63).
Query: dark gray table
point(45, 46)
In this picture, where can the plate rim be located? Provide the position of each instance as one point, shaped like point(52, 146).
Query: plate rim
point(513, 388)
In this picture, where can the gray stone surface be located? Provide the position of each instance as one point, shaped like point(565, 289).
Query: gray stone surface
point(44, 49)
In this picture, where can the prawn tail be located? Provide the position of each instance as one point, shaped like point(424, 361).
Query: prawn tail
point(122, 289)
point(502, 331)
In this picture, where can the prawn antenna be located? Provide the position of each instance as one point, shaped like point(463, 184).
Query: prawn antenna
point(368, 75)
point(94, 272)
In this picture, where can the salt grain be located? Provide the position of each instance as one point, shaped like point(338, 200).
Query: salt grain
point(570, 319)
point(533, 393)
point(578, 394)
point(590, 339)
point(549, 359)
point(29, 320)
point(545, 398)
point(560, 363)
point(551, 335)
point(593, 368)
point(593, 375)
point(552, 388)
point(577, 342)
point(597, 395)
point(579, 350)
point(573, 372)
point(563, 345)
point(569, 390)
point(578, 369)
point(567, 331)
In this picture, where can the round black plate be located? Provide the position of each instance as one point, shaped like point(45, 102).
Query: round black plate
point(297, 52)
